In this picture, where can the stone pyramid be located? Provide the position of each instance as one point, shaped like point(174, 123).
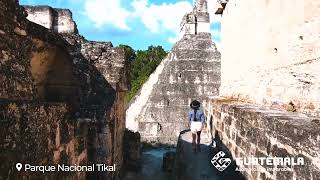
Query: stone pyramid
point(190, 71)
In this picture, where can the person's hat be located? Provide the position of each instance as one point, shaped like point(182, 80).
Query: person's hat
point(195, 104)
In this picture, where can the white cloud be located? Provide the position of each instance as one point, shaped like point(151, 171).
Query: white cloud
point(160, 18)
point(157, 18)
point(173, 40)
point(103, 12)
point(163, 17)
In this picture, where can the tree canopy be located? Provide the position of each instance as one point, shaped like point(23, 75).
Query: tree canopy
point(142, 64)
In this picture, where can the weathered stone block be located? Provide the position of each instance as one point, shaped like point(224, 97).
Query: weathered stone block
point(132, 150)
point(263, 132)
point(284, 174)
point(59, 20)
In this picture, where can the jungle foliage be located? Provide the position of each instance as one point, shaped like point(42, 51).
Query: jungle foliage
point(142, 65)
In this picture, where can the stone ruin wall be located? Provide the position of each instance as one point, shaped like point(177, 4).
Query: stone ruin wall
point(14, 64)
point(248, 130)
point(58, 20)
point(269, 56)
point(197, 21)
point(62, 98)
point(275, 49)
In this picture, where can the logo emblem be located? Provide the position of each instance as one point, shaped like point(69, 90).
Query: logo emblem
point(220, 162)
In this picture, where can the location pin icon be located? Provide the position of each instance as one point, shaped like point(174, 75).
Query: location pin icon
point(18, 166)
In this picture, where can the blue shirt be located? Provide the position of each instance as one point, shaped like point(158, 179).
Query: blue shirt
point(199, 116)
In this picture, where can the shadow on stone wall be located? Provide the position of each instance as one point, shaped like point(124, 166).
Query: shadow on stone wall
point(68, 113)
point(77, 130)
point(132, 151)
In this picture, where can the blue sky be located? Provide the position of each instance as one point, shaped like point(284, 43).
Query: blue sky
point(138, 23)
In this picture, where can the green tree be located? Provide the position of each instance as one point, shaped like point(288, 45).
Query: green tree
point(142, 64)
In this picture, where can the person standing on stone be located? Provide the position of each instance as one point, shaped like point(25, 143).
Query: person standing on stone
point(196, 122)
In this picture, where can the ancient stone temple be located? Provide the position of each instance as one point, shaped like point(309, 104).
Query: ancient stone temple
point(190, 71)
point(61, 96)
point(269, 96)
point(197, 21)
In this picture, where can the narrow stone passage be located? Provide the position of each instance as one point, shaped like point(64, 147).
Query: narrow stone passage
point(189, 165)
point(151, 166)
point(195, 166)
